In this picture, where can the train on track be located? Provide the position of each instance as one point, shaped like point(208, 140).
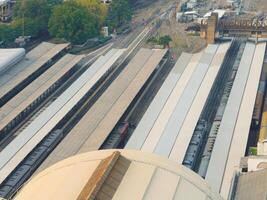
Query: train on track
point(256, 118)
point(30, 164)
point(40, 129)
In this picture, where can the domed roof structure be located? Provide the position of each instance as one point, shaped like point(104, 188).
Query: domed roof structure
point(117, 174)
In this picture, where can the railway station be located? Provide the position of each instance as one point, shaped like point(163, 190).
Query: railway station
point(169, 128)
point(94, 127)
point(201, 116)
point(236, 119)
point(176, 123)
point(21, 105)
point(39, 128)
point(34, 63)
point(197, 122)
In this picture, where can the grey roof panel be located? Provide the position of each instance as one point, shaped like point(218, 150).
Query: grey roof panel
point(29, 94)
point(222, 144)
point(23, 143)
point(242, 127)
point(174, 124)
point(21, 71)
point(73, 142)
point(159, 125)
point(106, 125)
point(147, 121)
point(186, 132)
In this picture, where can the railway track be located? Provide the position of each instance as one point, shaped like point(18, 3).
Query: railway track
point(80, 69)
point(92, 98)
point(214, 99)
point(40, 128)
point(139, 104)
point(68, 122)
point(133, 42)
point(52, 97)
point(209, 113)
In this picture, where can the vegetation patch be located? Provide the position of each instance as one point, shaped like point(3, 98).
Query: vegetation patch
point(75, 21)
point(160, 40)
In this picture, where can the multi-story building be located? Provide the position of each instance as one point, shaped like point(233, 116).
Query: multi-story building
point(5, 10)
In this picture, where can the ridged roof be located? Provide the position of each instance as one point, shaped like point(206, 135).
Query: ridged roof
point(116, 174)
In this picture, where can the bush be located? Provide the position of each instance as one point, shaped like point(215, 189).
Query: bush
point(163, 40)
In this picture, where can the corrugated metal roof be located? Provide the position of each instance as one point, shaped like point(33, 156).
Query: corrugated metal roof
point(174, 124)
point(185, 134)
point(242, 126)
point(104, 128)
point(163, 117)
point(31, 63)
point(29, 94)
point(73, 142)
point(13, 154)
point(222, 144)
point(149, 118)
point(182, 108)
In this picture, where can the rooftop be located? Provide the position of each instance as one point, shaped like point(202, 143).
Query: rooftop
point(9, 57)
point(117, 174)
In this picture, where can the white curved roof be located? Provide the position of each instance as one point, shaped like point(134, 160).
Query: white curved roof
point(131, 175)
point(10, 57)
point(3, 2)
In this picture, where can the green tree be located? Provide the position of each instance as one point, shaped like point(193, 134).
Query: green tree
point(7, 33)
point(34, 14)
point(160, 40)
point(165, 40)
point(31, 27)
point(33, 10)
point(97, 9)
point(72, 22)
point(119, 13)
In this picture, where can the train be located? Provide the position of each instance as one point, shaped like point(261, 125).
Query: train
point(259, 118)
point(204, 161)
point(256, 118)
point(195, 144)
point(23, 172)
point(43, 124)
point(117, 137)
point(263, 131)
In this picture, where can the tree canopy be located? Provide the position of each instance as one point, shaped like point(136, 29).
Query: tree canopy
point(72, 22)
point(119, 13)
point(96, 8)
point(31, 14)
point(160, 40)
point(36, 14)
